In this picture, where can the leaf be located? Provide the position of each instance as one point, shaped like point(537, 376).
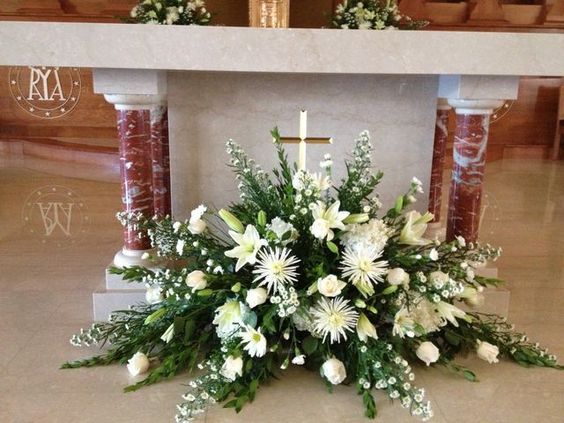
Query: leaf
point(310, 344)
point(469, 375)
point(230, 404)
point(390, 290)
point(189, 329)
point(253, 386)
point(155, 315)
point(399, 204)
point(452, 338)
point(332, 247)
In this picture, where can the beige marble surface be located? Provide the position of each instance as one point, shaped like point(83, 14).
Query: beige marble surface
point(284, 50)
point(45, 296)
point(206, 109)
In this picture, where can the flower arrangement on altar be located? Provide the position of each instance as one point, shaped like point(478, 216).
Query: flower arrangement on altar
point(372, 14)
point(304, 272)
point(171, 12)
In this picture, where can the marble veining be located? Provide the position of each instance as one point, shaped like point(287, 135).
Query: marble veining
point(160, 159)
point(439, 147)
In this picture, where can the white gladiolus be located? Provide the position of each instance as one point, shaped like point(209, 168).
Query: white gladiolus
point(330, 286)
point(232, 368)
point(397, 276)
point(138, 364)
point(334, 371)
point(487, 352)
point(365, 329)
point(256, 296)
point(427, 352)
point(196, 280)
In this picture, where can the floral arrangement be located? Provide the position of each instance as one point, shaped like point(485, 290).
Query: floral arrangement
point(302, 272)
point(170, 12)
point(372, 14)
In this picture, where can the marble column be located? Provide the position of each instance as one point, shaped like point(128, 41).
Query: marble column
point(469, 154)
point(136, 170)
point(437, 167)
point(160, 161)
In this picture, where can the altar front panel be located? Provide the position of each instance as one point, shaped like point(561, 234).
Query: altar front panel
point(206, 109)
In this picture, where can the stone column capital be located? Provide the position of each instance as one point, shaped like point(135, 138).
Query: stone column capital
point(442, 104)
point(464, 106)
point(135, 101)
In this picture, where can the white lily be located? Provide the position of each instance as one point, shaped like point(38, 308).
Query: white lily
point(415, 227)
point(450, 312)
point(249, 242)
point(327, 219)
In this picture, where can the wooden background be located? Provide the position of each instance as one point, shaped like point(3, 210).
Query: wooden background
point(526, 130)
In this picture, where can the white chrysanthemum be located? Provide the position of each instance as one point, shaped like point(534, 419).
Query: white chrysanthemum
point(276, 267)
point(374, 233)
point(334, 317)
point(362, 268)
point(255, 342)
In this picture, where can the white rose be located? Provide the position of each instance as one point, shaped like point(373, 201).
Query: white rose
point(439, 279)
point(427, 352)
point(232, 368)
point(330, 286)
point(138, 364)
point(256, 296)
point(434, 254)
point(196, 280)
point(320, 228)
point(334, 371)
point(299, 360)
point(487, 352)
point(154, 295)
point(397, 276)
point(196, 227)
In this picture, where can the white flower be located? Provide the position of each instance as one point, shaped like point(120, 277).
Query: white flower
point(404, 324)
point(284, 231)
point(196, 280)
point(256, 296)
point(397, 276)
point(360, 266)
point(299, 360)
point(365, 329)
point(321, 182)
point(438, 279)
point(374, 233)
point(154, 295)
point(330, 286)
point(427, 352)
point(334, 371)
point(449, 312)
point(180, 246)
point(232, 368)
point(334, 317)
point(255, 342)
point(249, 244)
point(487, 352)
point(415, 227)
point(327, 219)
point(275, 268)
point(138, 364)
point(434, 254)
point(196, 225)
point(472, 297)
point(169, 333)
point(461, 241)
point(228, 318)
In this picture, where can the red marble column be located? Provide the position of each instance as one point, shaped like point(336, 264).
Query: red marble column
point(136, 172)
point(160, 161)
point(469, 153)
point(439, 147)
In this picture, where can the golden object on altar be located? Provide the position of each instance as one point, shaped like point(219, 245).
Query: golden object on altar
point(269, 13)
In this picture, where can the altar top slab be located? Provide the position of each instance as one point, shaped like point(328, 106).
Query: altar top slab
point(233, 49)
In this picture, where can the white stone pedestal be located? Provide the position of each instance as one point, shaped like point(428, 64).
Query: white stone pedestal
point(118, 295)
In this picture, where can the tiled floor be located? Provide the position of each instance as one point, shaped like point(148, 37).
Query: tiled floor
point(45, 296)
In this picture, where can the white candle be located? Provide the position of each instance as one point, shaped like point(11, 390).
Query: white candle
point(303, 124)
point(302, 155)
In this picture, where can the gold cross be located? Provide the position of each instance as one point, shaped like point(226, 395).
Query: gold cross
point(303, 140)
